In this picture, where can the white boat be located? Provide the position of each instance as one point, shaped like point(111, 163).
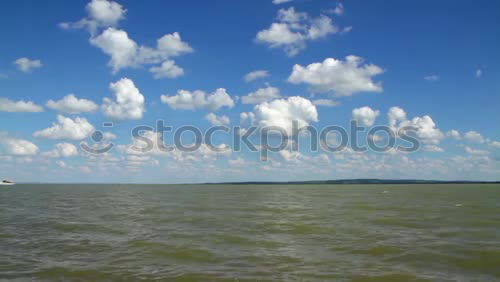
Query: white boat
point(7, 182)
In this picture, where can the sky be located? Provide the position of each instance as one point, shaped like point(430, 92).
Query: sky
point(69, 67)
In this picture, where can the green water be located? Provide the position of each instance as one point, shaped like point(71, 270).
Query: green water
point(239, 233)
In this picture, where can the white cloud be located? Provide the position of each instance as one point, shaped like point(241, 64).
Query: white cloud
point(67, 128)
point(431, 77)
point(339, 9)
point(105, 12)
point(454, 134)
point(119, 46)
point(61, 164)
point(294, 29)
point(125, 52)
point(70, 104)
point(261, 95)
point(128, 103)
point(62, 150)
point(18, 147)
point(107, 136)
point(280, 35)
point(395, 115)
point(290, 156)
point(346, 30)
point(474, 137)
point(425, 127)
point(26, 65)
point(277, 2)
point(7, 105)
point(325, 103)
point(101, 13)
point(85, 169)
point(238, 162)
point(282, 112)
point(433, 148)
point(190, 100)
point(472, 151)
point(204, 152)
point(167, 69)
point(495, 144)
point(479, 73)
point(365, 116)
point(155, 137)
point(251, 76)
point(344, 78)
point(169, 45)
point(244, 117)
point(375, 137)
point(321, 27)
point(217, 120)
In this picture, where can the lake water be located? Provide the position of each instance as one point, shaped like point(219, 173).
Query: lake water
point(248, 232)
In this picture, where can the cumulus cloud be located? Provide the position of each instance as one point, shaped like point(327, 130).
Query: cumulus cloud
point(293, 30)
point(119, 46)
point(191, 100)
point(365, 116)
point(18, 147)
point(282, 112)
point(425, 127)
point(26, 65)
point(251, 76)
point(344, 78)
point(62, 150)
point(217, 120)
point(474, 137)
point(325, 103)
point(454, 134)
point(67, 128)
point(167, 69)
point(395, 115)
point(128, 102)
point(107, 136)
point(70, 104)
point(261, 95)
point(101, 13)
point(103, 17)
point(106, 13)
point(339, 9)
point(7, 105)
point(125, 52)
point(250, 117)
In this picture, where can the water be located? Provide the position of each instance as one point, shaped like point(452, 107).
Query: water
point(238, 233)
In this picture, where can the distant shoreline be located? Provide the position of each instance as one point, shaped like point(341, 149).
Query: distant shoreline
point(362, 181)
point(338, 181)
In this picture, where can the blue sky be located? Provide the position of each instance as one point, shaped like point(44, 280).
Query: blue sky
point(427, 58)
